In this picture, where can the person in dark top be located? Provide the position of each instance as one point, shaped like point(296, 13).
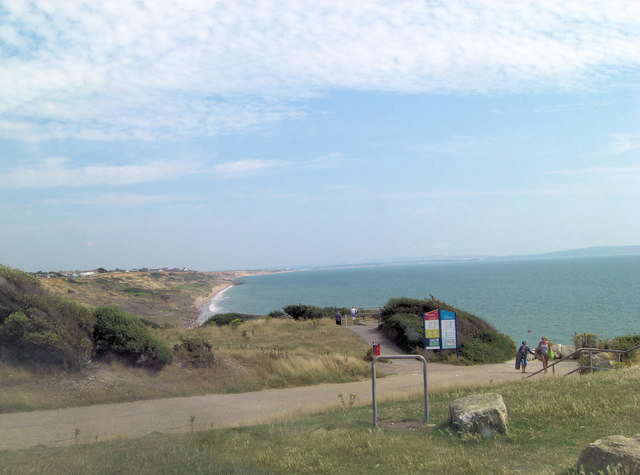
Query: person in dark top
point(522, 355)
point(338, 318)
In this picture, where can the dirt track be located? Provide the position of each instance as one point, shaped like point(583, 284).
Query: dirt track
point(135, 419)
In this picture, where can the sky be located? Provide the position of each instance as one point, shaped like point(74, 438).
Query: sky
point(222, 135)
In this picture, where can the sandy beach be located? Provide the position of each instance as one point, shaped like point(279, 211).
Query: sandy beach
point(227, 280)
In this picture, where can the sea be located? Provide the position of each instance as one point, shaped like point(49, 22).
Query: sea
point(523, 298)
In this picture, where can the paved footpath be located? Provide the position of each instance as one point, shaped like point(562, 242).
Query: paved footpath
point(135, 419)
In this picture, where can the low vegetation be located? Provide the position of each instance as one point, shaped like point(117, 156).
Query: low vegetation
point(259, 354)
point(195, 352)
point(620, 343)
point(227, 318)
point(108, 349)
point(550, 422)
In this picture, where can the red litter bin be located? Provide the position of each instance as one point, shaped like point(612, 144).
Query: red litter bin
point(376, 349)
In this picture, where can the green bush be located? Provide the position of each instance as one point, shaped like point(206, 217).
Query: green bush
point(625, 342)
point(406, 305)
point(159, 354)
point(487, 346)
point(478, 340)
point(125, 335)
point(37, 327)
point(310, 312)
point(585, 340)
point(221, 319)
point(405, 329)
point(303, 312)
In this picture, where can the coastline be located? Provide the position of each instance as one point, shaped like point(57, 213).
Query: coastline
point(227, 280)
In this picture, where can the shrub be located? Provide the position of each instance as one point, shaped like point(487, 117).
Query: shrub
point(302, 312)
point(625, 342)
point(585, 340)
point(37, 327)
point(194, 351)
point(487, 346)
point(405, 305)
point(221, 319)
point(311, 312)
point(276, 314)
point(405, 329)
point(478, 341)
point(126, 335)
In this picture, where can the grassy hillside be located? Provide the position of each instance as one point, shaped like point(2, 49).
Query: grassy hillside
point(171, 297)
point(550, 422)
point(39, 328)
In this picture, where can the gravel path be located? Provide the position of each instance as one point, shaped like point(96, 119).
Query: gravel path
point(135, 419)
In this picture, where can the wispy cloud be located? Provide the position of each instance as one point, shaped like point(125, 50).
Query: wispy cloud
point(245, 167)
point(603, 171)
point(148, 69)
point(116, 199)
point(569, 189)
point(60, 172)
point(622, 143)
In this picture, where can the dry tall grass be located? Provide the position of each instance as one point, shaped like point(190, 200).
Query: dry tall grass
point(257, 355)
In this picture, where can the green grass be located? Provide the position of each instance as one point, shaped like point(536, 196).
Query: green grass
point(550, 422)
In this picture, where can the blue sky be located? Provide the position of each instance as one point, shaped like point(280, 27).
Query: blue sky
point(241, 135)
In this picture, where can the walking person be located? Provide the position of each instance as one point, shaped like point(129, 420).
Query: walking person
point(544, 347)
point(338, 318)
point(521, 356)
point(354, 313)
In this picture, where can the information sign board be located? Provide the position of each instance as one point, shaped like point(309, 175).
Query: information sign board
point(431, 324)
point(448, 328)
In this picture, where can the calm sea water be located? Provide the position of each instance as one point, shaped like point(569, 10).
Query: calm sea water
point(524, 299)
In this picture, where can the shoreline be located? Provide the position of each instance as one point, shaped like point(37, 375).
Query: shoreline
point(228, 279)
point(205, 309)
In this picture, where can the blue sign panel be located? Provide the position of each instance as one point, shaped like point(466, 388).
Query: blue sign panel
point(448, 329)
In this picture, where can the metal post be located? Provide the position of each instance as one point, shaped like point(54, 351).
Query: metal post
point(424, 382)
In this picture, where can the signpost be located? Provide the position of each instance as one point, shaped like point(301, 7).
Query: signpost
point(431, 330)
point(441, 330)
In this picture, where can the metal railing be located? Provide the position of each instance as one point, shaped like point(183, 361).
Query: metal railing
point(590, 367)
point(424, 383)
